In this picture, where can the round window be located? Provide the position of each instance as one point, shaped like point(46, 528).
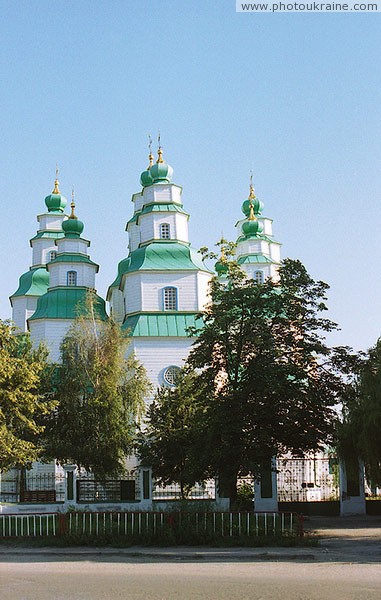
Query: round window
point(171, 375)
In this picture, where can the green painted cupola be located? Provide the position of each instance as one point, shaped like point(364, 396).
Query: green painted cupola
point(72, 227)
point(161, 172)
point(56, 202)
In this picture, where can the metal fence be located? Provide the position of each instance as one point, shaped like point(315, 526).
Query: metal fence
point(312, 479)
point(31, 487)
point(200, 491)
point(110, 490)
point(152, 524)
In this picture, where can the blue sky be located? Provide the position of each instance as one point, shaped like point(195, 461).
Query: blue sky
point(293, 97)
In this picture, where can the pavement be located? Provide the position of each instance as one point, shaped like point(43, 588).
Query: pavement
point(341, 539)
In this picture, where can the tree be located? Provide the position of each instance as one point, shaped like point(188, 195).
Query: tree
point(359, 431)
point(170, 442)
point(24, 398)
point(269, 382)
point(100, 398)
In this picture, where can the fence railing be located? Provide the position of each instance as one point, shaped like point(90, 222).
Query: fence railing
point(151, 524)
point(43, 487)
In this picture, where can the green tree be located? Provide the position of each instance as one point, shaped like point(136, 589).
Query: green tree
point(269, 382)
point(24, 398)
point(359, 431)
point(100, 398)
point(170, 441)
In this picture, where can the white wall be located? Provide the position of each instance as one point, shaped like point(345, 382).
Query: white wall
point(23, 307)
point(51, 221)
point(85, 274)
point(143, 291)
point(41, 250)
point(50, 331)
point(72, 245)
point(158, 353)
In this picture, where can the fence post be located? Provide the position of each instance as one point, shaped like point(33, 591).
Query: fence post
point(70, 484)
point(300, 526)
point(265, 488)
point(62, 524)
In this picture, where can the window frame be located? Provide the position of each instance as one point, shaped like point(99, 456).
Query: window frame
point(170, 304)
point(72, 283)
point(259, 276)
point(165, 231)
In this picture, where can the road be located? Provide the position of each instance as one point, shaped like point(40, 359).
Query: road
point(113, 579)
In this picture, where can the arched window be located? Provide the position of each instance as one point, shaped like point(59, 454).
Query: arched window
point(71, 278)
point(165, 231)
point(52, 255)
point(170, 298)
point(258, 277)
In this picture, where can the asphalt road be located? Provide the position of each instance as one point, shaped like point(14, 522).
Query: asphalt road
point(111, 579)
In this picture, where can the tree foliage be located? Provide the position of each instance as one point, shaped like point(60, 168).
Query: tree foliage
point(24, 398)
point(169, 443)
point(359, 431)
point(100, 398)
point(264, 380)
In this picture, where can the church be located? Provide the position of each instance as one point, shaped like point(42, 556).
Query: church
point(159, 289)
point(161, 285)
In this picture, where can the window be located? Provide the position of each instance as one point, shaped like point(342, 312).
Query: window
point(170, 298)
point(52, 255)
point(258, 276)
point(171, 375)
point(72, 278)
point(165, 231)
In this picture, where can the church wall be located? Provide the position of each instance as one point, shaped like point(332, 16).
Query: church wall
point(22, 308)
point(132, 293)
point(203, 289)
point(156, 354)
point(50, 222)
point(41, 250)
point(117, 306)
point(275, 252)
point(50, 331)
point(153, 283)
point(72, 245)
point(134, 236)
point(85, 274)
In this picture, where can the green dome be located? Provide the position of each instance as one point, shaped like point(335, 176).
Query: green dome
point(221, 267)
point(257, 206)
point(56, 202)
point(252, 228)
point(145, 178)
point(161, 172)
point(72, 227)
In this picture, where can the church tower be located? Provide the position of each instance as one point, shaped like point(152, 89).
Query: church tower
point(258, 253)
point(162, 284)
point(34, 283)
point(71, 278)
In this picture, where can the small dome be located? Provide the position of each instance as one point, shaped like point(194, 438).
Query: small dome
point(161, 172)
point(72, 227)
point(221, 267)
point(55, 203)
point(145, 178)
point(252, 228)
point(257, 206)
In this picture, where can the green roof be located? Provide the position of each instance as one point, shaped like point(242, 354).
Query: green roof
point(67, 257)
point(66, 303)
point(33, 283)
point(160, 324)
point(165, 255)
point(158, 207)
point(260, 237)
point(52, 235)
point(254, 258)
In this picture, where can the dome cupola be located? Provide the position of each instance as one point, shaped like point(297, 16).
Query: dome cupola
point(161, 172)
point(145, 177)
point(252, 199)
point(55, 202)
point(72, 227)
